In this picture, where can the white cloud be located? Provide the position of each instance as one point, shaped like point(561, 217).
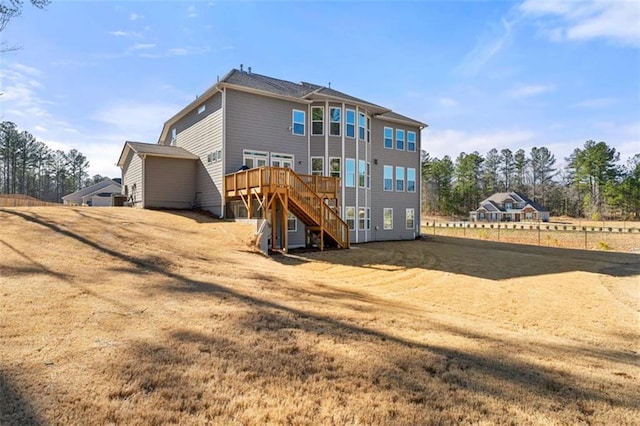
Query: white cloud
point(142, 46)
point(595, 103)
point(486, 49)
point(527, 90)
point(135, 17)
point(177, 51)
point(613, 20)
point(119, 33)
point(447, 102)
point(451, 142)
point(191, 12)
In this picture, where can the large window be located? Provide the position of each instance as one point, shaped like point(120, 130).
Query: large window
point(253, 159)
point(387, 215)
point(335, 169)
point(400, 140)
point(350, 174)
point(298, 124)
point(410, 218)
point(335, 115)
point(411, 141)
point(411, 180)
point(364, 218)
point(388, 137)
point(317, 166)
point(368, 175)
point(317, 121)
point(350, 216)
point(388, 178)
point(362, 126)
point(350, 130)
point(292, 223)
point(362, 173)
point(399, 179)
point(368, 129)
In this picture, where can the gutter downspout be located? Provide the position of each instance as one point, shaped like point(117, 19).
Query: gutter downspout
point(144, 180)
point(224, 152)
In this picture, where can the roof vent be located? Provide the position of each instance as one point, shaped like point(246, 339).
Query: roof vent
point(249, 69)
point(241, 67)
point(329, 85)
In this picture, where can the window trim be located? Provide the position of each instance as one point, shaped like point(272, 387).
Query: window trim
point(413, 219)
point(362, 174)
point(384, 219)
point(399, 168)
point(293, 122)
point(362, 126)
point(339, 170)
point(347, 173)
point(291, 216)
point(398, 139)
point(414, 179)
point(352, 209)
point(366, 219)
point(409, 133)
point(282, 157)
point(202, 108)
point(347, 124)
point(321, 108)
point(384, 137)
point(313, 172)
point(255, 155)
point(339, 122)
point(384, 178)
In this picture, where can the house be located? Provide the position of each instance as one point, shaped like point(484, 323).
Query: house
point(510, 207)
point(320, 166)
point(98, 194)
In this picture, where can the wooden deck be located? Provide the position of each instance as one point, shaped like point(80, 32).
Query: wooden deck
point(312, 199)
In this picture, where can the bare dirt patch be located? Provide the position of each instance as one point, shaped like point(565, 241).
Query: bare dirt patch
point(123, 316)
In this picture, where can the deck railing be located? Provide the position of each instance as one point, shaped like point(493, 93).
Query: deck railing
point(308, 193)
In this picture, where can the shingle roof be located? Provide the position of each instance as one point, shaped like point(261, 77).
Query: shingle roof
point(269, 84)
point(394, 116)
point(155, 150)
point(91, 189)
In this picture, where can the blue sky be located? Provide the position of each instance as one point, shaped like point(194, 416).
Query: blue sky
point(483, 74)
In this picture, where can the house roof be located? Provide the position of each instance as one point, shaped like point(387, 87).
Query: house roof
point(301, 92)
point(154, 150)
point(499, 197)
point(96, 187)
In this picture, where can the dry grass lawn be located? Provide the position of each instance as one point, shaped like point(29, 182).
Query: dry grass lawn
point(122, 316)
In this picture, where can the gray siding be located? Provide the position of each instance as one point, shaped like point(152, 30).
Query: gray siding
point(264, 124)
point(399, 201)
point(132, 178)
point(170, 182)
point(201, 134)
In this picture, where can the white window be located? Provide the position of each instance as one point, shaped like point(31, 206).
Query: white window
point(317, 121)
point(292, 223)
point(388, 137)
point(350, 175)
point(350, 216)
point(174, 135)
point(400, 179)
point(335, 115)
point(350, 130)
point(387, 215)
point(368, 129)
point(362, 126)
point(282, 160)
point(317, 166)
point(364, 218)
point(335, 169)
point(388, 178)
point(410, 218)
point(202, 109)
point(298, 122)
point(411, 141)
point(253, 159)
point(368, 175)
point(400, 140)
point(362, 173)
point(411, 179)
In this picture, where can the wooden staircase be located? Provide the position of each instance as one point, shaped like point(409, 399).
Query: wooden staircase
point(312, 199)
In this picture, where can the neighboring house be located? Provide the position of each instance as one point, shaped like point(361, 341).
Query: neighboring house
point(510, 207)
point(99, 193)
point(325, 166)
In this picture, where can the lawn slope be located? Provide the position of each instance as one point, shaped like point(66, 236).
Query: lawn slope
point(123, 316)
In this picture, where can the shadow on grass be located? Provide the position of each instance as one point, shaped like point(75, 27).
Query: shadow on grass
point(416, 371)
point(476, 258)
point(14, 408)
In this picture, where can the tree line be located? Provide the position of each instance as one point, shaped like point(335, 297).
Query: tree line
point(30, 167)
point(592, 184)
